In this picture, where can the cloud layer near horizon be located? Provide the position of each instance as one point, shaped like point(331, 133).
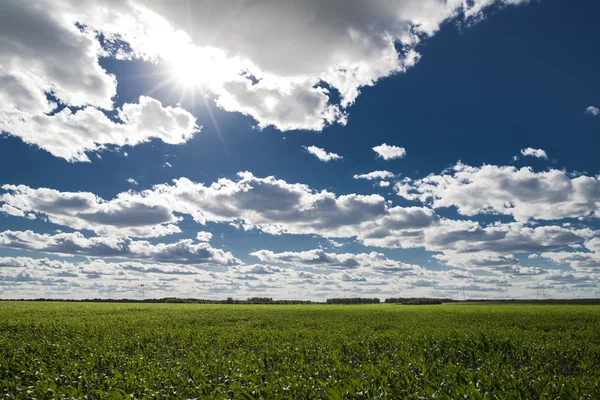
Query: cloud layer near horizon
point(277, 207)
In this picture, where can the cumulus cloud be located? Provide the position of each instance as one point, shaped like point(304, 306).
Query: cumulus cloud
point(347, 46)
point(258, 269)
point(321, 154)
point(204, 236)
point(33, 66)
point(35, 42)
point(10, 210)
point(452, 237)
point(375, 175)
point(522, 193)
point(276, 207)
point(591, 110)
point(322, 259)
point(70, 135)
point(538, 153)
point(485, 260)
point(252, 69)
point(269, 204)
point(183, 252)
point(580, 261)
point(123, 216)
point(388, 152)
point(132, 181)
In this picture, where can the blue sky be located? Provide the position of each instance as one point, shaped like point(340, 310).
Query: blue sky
point(488, 182)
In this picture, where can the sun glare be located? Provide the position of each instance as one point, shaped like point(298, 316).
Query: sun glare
point(193, 67)
point(186, 73)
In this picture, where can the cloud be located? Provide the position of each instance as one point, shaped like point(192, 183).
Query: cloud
point(132, 181)
point(258, 269)
point(269, 204)
point(490, 261)
point(300, 107)
point(167, 165)
point(204, 236)
point(538, 153)
point(35, 42)
point(388, 152)
point(10, 210)
point(521, 193)
point(376, 175)
point(456, 237)
point(182, 252)
point(276, 207)
point(321, 154)
point(252, 69)
point(591, 110)
point(25, 277)
point(581, 261)
point(69, 134)
point(319, 258)
point(471, 237)
point(347, 46)
point(123, 216)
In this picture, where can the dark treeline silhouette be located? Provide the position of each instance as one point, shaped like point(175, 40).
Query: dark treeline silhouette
point(354, 300)
point(176, 300)
point(416, 300)
point(265, 300)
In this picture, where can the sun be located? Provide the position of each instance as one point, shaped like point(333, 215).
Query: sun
point(193, 67)
point(188, 72)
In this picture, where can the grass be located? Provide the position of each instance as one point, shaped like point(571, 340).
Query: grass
point(474, 351)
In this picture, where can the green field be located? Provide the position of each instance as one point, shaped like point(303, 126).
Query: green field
point(69, 350)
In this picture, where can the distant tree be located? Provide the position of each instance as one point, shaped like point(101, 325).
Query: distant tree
point(353, 300)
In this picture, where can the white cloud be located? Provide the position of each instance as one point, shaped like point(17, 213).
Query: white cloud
point(269, 204)
point(522, 193)
point(486, 260)
point(336, 45)
point(376, 175)
point(25, 277)
point(204, 236)
point(319, 258)
point(455, 236)
point(53, 56)
point(70, 134)
point(581, 261)
point(123, 216)
point(42, 51)
point(321, 154)
point(384, 184)
point(182, 252)
point(167, 165)
point(277, 207)
point(10, 210)
point(132, 181)
point(538, 153)
point(299, 107)
point(388, 152)
point(591, 110)
point(335, 244)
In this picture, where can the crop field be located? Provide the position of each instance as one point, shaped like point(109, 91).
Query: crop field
point(473, 351)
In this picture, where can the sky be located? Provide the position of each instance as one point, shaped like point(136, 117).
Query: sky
point(299, 150)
